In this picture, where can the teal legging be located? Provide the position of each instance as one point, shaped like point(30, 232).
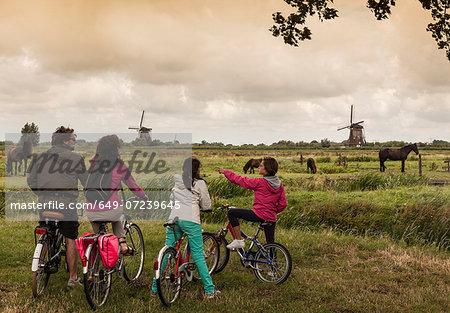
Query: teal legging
point(193, 232)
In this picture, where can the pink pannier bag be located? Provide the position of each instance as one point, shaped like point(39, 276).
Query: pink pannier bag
point(109, 250)
point(82, 245)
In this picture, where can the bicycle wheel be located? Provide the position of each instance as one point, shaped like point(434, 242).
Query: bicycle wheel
point(224, 254)
point(40, 277)
point(168, 280)
point(211, 251)
point(133, 264)
point(97, 280)
point(281, 261)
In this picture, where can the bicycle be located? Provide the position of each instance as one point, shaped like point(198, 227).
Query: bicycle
point(271, 263)
point(174, 263)
point(50, 247)
point(97, 279)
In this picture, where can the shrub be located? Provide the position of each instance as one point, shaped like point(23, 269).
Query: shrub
point(336, 169)
point(222, 187)
point(415, 215)
point(362, 158)
point(323, 160)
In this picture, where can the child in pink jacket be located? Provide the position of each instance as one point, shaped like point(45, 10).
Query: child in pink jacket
point(270, 199)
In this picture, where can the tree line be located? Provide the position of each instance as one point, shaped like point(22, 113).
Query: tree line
point(326, 143)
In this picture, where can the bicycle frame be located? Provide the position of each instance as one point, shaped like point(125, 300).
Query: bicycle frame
point(245, 255)
point(56, 241)
point(181, 260)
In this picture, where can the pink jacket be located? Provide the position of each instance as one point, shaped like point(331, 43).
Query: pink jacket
point(120, 173)
point(268, 200)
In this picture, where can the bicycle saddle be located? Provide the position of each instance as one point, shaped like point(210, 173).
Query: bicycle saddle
point(266, 223)
point(53, 215)
point(173, 223)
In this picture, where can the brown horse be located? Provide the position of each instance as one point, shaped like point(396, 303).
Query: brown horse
point(252, 164)
point(16, 155)
point(396, 154)
point(311, 165)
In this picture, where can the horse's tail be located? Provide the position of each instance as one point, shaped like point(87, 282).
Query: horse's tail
point(247, 166)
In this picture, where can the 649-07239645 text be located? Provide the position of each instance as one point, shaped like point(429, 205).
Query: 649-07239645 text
point(102, 205)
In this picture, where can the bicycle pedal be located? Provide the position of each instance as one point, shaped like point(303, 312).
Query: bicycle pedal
point(51, 269)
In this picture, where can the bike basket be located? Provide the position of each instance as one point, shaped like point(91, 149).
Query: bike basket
point(109, 250)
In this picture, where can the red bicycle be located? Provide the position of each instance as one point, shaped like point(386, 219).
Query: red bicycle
point(175, 263)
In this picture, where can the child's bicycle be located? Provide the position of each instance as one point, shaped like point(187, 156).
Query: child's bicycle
point(175, 263)
point(50, 247)
point(97, 278)
point(271, 262)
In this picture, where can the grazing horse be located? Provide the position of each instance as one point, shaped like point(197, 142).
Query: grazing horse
point(396, 154)
point(251, 164)
point(16, 155)
point(311, 165)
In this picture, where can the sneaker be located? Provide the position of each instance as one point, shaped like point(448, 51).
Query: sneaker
point(213, 295)
point(73, 283)
point(236, 244)
point(154, 293)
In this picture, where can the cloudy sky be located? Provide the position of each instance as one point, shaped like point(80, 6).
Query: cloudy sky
point(212, 68)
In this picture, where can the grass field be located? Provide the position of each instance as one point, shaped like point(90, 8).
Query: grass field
point(332, 273)
point(361, 241)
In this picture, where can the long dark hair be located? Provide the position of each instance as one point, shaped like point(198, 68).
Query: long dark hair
point(190, 172)
point(108, 152)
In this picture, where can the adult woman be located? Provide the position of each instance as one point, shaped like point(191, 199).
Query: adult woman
point(270, 199)
point(191, 192)
point(107, 162)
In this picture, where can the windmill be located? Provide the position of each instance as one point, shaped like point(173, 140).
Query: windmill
point(356, 138)
point(144, 132)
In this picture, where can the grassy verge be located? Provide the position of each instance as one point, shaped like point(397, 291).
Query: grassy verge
point(332, 273)
point(417, 214)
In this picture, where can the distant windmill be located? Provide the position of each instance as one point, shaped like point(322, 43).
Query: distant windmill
point(144, 132)
point(175, 141)
point(356, 138)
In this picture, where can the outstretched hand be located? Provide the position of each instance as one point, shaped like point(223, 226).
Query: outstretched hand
point(221, 170)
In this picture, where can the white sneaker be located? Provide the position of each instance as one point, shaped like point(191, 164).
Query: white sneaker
point(213, 295)
point(72, 283)
point(236, 244)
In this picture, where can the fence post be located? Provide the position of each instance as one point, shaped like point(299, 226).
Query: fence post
point(420, 164)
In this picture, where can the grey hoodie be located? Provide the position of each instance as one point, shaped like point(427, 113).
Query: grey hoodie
point(273, 181)
point(189, 203)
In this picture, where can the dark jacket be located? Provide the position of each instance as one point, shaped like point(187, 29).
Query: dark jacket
point(56, 172)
